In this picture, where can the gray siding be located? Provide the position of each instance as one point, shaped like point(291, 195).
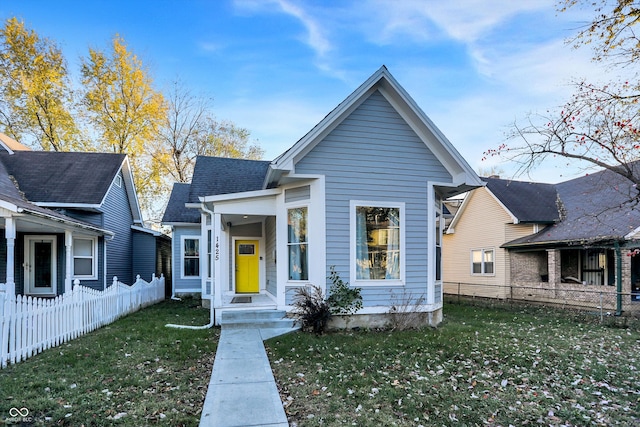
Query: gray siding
point(374, 155)
point(181, 284)
point(144, 255)
point(117, 218)
point(297, 194)
point(270, 261)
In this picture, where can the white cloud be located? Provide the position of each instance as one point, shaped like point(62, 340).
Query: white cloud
point(464, 21)
point(315, 36)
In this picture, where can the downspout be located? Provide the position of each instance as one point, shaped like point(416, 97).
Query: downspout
point(618, 279)
point(211, 308)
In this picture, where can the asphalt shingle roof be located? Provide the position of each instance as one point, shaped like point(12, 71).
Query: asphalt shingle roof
point(214, 176)
point(530, 202)
point(61, 177)
point(10, 193)
point(596, 207)
point(176, 212)
point(220, 175)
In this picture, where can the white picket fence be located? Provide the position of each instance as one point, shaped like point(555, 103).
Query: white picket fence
point(30, 325)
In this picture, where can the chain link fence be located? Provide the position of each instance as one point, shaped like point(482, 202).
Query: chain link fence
point(604, 304)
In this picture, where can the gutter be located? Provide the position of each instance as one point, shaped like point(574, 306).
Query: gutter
point(211, 307)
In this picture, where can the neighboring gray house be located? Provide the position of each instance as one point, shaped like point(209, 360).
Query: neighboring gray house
point(67, 216)
point(571, 243)
point(362, 191)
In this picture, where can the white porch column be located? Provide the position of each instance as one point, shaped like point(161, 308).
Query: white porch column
point(10, 234)
point(68, 246)
point(204, 266)
point(216, 228)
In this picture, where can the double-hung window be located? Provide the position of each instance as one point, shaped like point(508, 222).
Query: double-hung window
point(190, 257)
point(298, 244)
point(482, 261)
point(377, 233)
point(85, 258)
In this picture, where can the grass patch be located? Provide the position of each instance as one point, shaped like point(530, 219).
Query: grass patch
point(481, 367)
point(133, 372)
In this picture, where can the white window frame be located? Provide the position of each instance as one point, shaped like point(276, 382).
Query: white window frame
point(353, 204)
point(301, 281)
point(482, 263)
point(93, 257)
point(118, 181)
point(182, 256)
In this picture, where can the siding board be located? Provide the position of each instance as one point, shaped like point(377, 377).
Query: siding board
point(375, 155)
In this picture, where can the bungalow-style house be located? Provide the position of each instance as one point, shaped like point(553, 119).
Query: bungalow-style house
point(361, 192)
point(67, 216)
point(473, 255)
point(571, 243)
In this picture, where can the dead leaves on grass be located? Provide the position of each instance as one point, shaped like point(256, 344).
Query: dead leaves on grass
point(503, 373)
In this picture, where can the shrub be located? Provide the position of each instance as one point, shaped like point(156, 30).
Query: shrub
point(343, 299)
point(311, 308)
point(406, 312)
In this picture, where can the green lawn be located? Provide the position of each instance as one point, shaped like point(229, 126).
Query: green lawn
point(482, 367)
point(134, 372)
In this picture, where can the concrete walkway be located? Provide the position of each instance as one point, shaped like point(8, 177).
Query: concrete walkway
point(242, 390)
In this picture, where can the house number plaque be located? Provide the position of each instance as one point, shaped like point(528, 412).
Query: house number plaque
point(217, 248)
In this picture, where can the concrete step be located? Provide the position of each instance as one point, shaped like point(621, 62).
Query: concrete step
point(258, 315)
point(271, 323)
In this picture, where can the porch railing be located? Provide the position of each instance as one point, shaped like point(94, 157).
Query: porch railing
point(29, 325)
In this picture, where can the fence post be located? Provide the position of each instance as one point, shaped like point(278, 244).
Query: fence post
point(601, 313)
point(116, 290)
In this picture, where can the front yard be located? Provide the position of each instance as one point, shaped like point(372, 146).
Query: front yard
point(134, 372)
point(482, 367)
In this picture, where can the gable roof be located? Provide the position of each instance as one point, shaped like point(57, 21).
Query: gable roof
point(10, 145)
point(176, 212)
point(595, 208)
point(11, 198)
point(221, 175)
point(525, 202)
point(213, 176)
point(464, 178)
point(528, 202)
point(46, 177)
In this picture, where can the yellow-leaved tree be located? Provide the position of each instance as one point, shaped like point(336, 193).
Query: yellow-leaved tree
point(125, 111)
point(36, 99)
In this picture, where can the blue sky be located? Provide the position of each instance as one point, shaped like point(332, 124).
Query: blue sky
point(277, 67)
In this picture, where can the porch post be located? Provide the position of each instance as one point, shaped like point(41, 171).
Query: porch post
point(204, 266)
point(10, 234)
point(216, 228)
point(68, 246)
point(554, 269)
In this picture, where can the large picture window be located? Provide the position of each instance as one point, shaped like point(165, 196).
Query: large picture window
point(85, 256)
point(298, 244)
point(378, 242)
point(482, 262)
point(190, 257)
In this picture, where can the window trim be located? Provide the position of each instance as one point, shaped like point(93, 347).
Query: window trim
point(93, 257)
point(353, 205)
point(482, 263)
point(182, 256)
point(288, 244)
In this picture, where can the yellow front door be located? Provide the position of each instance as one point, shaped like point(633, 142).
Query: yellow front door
point(247, 266)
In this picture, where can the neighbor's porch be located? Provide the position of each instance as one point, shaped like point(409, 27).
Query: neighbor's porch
point(585, 277)
point(41, 255)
